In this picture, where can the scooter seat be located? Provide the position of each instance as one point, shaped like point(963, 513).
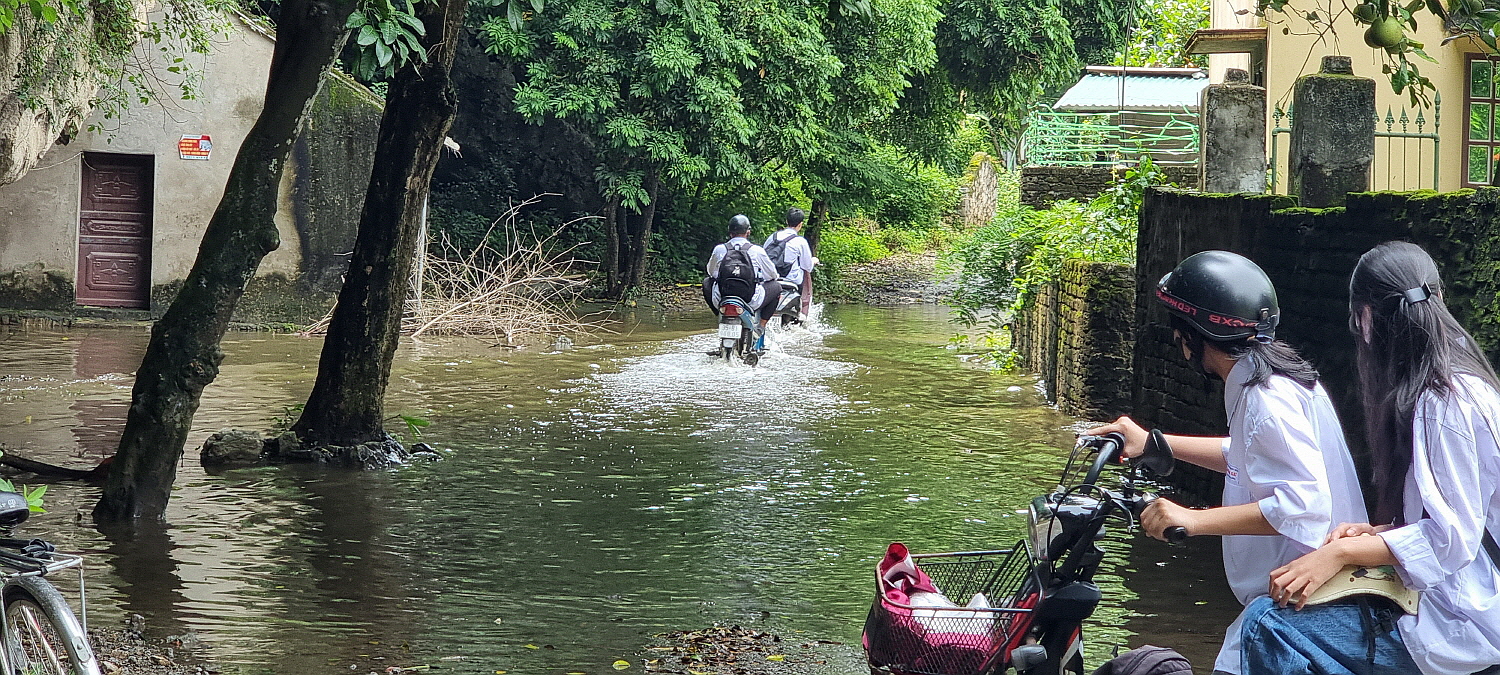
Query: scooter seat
point(13, 509)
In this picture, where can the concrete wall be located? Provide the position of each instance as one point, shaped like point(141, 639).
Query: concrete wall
point(1077, 335)
point(1043, 185)
point(1299, 53)
point(321, 194)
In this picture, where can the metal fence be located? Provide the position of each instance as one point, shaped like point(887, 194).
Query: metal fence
point(1406, 152)
point(1056, 138)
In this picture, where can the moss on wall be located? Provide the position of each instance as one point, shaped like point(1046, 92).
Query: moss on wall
point(273, 299)
point(36, 288)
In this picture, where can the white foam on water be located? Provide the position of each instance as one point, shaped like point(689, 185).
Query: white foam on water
point(790, 385)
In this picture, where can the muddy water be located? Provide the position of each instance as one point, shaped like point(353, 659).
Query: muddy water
point(591, 495)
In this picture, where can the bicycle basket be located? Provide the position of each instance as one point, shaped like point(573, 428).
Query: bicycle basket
point(907, 634)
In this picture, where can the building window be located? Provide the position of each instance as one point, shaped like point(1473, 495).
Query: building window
point(1482, 143)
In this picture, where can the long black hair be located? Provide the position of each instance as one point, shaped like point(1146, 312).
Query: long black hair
point(1415, 345)
point(1267, 358)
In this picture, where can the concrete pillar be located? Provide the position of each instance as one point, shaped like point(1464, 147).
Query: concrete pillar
point(1233, 152)
point(1333, 134)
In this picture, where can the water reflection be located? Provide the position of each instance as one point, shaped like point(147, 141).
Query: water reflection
point(590, 497)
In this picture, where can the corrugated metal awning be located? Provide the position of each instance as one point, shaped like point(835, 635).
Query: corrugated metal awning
point(1154, 89)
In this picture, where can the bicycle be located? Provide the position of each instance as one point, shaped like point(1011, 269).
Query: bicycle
point(39, 634)
point(1030, 601)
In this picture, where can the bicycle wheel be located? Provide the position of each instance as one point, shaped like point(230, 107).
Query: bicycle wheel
point(42, 637)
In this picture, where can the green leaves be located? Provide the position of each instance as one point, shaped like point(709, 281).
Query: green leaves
point(389, 36)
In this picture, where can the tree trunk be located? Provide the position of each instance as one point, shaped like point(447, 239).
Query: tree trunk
point(347, 404)
point(183, 356)
point(641, 244)
point(815, 220)
point(612, 252)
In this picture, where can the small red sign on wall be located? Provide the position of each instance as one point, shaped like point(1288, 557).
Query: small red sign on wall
point(194, 147)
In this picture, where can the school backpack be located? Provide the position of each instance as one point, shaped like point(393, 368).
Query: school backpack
point(776, 249)
point(737, 273)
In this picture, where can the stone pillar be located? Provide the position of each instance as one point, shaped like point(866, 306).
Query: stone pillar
point(1333, 134)
point(1233, 152)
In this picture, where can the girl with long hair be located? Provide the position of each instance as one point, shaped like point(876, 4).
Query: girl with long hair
point(1432, 410)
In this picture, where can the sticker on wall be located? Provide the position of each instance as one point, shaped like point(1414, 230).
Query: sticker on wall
point(194, 147)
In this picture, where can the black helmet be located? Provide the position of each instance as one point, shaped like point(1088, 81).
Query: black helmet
point(1223, 295)
point(739, 224)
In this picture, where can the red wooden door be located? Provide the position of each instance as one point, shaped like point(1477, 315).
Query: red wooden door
point(114, 231)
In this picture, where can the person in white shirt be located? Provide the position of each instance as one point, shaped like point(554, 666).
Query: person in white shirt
point(766, 291)
point(793, 256)
point(1288, 475)
point(1432, 414)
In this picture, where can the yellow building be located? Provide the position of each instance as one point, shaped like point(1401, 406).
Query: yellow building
point(1450, 143)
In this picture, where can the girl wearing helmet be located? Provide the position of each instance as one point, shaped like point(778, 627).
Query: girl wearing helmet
point(1288, 476)
point(1432, 410)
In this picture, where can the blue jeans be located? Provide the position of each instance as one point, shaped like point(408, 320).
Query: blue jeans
point(1351, 637)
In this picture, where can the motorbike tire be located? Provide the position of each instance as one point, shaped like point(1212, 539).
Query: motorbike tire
point(752, 359)
point(785, 320)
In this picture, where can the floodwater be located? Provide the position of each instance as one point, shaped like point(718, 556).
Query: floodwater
point(590, 496)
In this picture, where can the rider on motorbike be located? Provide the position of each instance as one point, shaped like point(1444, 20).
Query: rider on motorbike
point(1288, 475)
point(793, 256)
point(766, 291)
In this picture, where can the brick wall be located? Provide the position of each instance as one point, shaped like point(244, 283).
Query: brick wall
point(1308, 254)
point(1043, 185)
point(1077, 337)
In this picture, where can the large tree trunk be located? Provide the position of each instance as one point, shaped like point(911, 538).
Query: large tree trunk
point(347, 404)
point(183, 355)
point(641, 238)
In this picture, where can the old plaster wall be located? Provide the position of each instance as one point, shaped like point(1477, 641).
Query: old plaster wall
point(321, 193)
point(1043, 185)
point(1309, 254)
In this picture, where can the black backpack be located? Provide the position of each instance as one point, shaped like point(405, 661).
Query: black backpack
point(776, 249)
point(737, 273)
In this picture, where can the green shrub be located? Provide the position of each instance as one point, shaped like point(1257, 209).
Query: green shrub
point(849, 243)
point(1001, 265)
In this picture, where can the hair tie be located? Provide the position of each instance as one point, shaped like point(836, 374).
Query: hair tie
point(1413, 296)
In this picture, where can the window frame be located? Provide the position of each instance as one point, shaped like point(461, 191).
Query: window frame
point(1493, 100)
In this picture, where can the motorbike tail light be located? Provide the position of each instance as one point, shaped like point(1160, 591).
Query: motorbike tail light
point(730, 310)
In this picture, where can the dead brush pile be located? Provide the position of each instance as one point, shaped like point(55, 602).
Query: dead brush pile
point(517, 284)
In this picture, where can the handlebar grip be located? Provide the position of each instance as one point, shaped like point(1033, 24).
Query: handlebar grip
point(1175, 534)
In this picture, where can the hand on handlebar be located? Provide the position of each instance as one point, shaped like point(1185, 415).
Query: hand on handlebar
point(1135, 435)
point(1164, 514)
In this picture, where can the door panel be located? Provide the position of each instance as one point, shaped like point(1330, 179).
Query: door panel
point(114, 231)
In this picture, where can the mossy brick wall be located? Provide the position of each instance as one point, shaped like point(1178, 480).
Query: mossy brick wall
point(1076, 336)
point(1309, 254)
point(1043, 185)
point(1095, 342)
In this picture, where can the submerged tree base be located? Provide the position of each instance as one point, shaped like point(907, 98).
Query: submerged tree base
point(233, 448)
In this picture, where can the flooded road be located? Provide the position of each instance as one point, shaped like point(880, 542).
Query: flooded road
point(591, 495)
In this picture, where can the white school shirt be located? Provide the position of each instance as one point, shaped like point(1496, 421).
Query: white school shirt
point(1285, 451)
point(797, 252)
point(1455, 469)
point(765, 270)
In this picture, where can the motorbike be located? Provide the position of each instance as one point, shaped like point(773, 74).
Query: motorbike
point(789, 307)
point(739, 331)
point(1028, 602)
